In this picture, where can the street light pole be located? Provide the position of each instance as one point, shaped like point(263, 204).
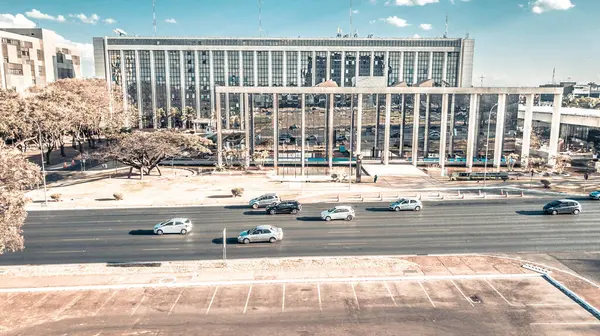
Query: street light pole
point(350, 153)
point(487, 145)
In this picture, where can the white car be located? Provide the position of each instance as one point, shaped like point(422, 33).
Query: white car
point(174, 225)
point(261, 233)
point(339, 212)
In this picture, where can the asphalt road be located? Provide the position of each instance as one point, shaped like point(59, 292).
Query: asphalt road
point(494, 226)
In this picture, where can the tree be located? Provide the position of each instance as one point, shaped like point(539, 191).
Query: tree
point(145, 150)
point(16, 176)
point(160, 114)
point(188, 116)
point(171, 120)
point(561, 162)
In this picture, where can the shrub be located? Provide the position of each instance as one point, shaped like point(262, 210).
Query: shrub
point(237, 192)
point(55, 197)
point(545, 183)
point(118, 196)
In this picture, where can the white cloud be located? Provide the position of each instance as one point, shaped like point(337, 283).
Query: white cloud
point(171, 21)
point(396, 21)
point(452, 2)
point(36, 14)
point(521, 5)
point(541, 6)
point(374, 2)
point(355, 11)
point(411, 2)
point(426, 26)
point(109, 21)
point(92, 19)
point(15, 21)
point(416, 36)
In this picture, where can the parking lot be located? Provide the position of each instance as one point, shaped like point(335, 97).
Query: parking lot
point(511, 306)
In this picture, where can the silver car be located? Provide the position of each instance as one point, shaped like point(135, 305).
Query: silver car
point(264, 200)
point(339, 212)
point(407, 204)
point(174, 225)
point(261, 233)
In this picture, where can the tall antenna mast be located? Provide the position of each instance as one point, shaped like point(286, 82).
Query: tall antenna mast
point(481, 80)
point(259, 18)
point(154, 16)
point(351, 17)
point(553, 76)
point(446, 31)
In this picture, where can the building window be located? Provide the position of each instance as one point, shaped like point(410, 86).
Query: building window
point(423, 67)
point(394, 68)
point(204, 81)
point(452, 69)
point(437, 67)
point(160, 81)
point(321, 67)
point(277, 67)
point(60, 57)
point(130, 77)
point(233, 63)
point(219, 67)
point(146, 89)
point(114, 59)
point(175, 78)
point(378, 64)
point(409, 67)
point(248, 64)
point(336, 67)
point(40, 55)
point(292, 68)
point(306, 65)
point(263, 68)
point(364, 65)
point(190, 78)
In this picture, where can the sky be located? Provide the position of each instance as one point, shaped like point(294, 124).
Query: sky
point(517, 42)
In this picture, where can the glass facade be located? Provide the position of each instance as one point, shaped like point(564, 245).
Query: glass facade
point(423, 67)
point(190, 79)
point(394, 68)
point(204, 78)
point(437, 67)
point(409, 67)
point(175, 81)
point(452, 68)
point(364, 63)
point(146, 89)
point(379, 64)
point(114, 61)
point(263, 67)
point(350, 69)
point(130, 78)
point(219, 67)
point(306, 66)
point(336, 67)
point(233, 67)
point(248, 64)
point(160, 81)
point(321, 67)
point(292, 68)
point(277, 67)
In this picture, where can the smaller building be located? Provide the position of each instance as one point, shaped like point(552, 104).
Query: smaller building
point(35, 56)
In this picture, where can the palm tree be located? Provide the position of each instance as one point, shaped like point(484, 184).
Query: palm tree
point(189, 114)
point(159, 115)
point(173, 112)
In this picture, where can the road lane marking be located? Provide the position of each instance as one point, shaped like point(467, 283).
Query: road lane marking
point(163, 249)
point(433, 304)
point(52, 252)
point(247, 299)
point(549, 238)
point(355, 297)
point(390, 292)
point(67, 306)
point(177, 300)
point(319, 293)
point(343, 231)
point(347, 243)
point(463, 294)
point(105, 302)
point(80, 239)
point(138, 305)
point(432, 230)
point(211, 300)
point(283, 299)
point(497, 292)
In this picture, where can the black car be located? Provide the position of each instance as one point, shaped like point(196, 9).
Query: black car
point(288, 207)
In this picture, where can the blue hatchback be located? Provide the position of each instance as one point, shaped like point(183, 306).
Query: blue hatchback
point(595, 195)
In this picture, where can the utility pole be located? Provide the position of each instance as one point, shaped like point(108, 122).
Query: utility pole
point(259, 18)
point(154, 16)
point(481, 80)
point(350, 16)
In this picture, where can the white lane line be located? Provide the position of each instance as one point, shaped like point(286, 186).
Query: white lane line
point(343, 231)
point(162, 249)
point(390, 292)
point(565, 323)
point(52, 252)
point(247, 299)
point(211, 300)
point(497, 292)
point(138, 305)
point(283, 299)
point(80, 239)
point(355, 297)
point(335, 244)
point(105, 302)
point(67, 306)
point(319, 293)
point(177, 300)
point(463, 294)
point(432, 230)
point(549, 238)
point(433, 304)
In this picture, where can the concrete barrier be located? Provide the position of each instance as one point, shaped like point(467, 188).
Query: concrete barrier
point(580, 301)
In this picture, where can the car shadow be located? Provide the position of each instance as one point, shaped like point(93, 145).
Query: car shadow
point(105, 199)
point(141, 232)
point(309, 219)
point(220, 196)
point(530, 212)
point(219, 241)
point(378, 209)
point(255, 213)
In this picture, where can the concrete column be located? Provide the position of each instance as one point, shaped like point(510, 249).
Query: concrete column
point(343, 79)
point(247, 129)
point(451, 139)
point(499, 135)
point(415, 67)
point(270, 68)
point(426, 130)
point(328, 66)
point(275, 131)
point(445, 67)
point(255, 59)
point(330, 131)
point(471, 136)
point(211, 71)
point(219, 130)
point(299, 68)
point(372, 63)
point(285, 78)
point(401, 74)
point(303, 135)
point(386, 132)
point(314, 68)
point(443, 132)
point(241, 68)
point(377, 117)
point(138, 82)
point(430, 66)
point(415, 139)
point(168, 79)
point(386, 68)
point(527, 126)
point(197, 82)
point(359, 124)
point(401, 135)
point(153, 87)
point(554, 130)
